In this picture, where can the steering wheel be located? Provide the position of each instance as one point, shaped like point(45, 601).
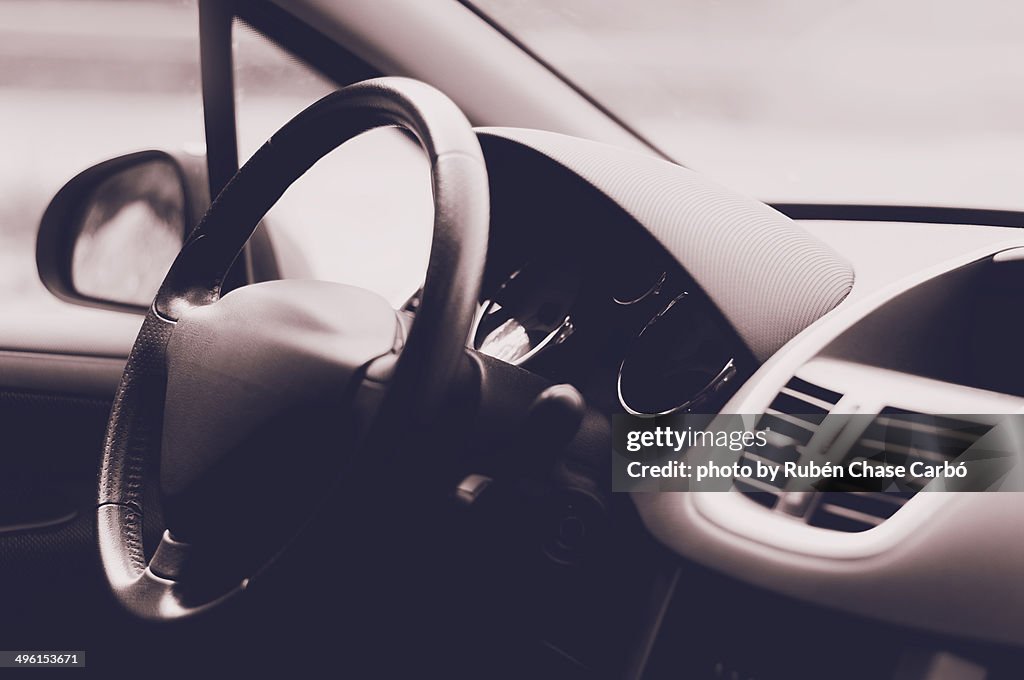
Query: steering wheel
point(235, 403)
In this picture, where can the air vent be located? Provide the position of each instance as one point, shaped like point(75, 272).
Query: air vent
point(791, 420)
point(855, 511)
point(894, 437)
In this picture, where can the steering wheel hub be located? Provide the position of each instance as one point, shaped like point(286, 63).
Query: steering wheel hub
point(244, 377)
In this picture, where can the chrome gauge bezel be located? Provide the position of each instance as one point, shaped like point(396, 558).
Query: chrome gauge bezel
point(556, 337)
point(654, 289)
point(724, 376)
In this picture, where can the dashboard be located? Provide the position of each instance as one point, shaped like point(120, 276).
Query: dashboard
point(653, 309)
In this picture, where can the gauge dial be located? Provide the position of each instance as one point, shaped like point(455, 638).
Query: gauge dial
point(529, 312)
point(679, 360)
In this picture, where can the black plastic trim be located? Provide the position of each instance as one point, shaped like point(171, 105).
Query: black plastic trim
point(901, 213)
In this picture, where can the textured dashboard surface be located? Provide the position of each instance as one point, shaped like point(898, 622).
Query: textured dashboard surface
point(768, 276)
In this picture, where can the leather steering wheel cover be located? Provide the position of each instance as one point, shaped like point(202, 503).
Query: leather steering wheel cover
point(432, 351)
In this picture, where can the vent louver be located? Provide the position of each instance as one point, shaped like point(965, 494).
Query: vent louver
point(792, 418)
point(895, 437)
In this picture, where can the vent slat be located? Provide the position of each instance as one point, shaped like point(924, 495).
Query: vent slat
point(964, 435)
point(800, 433)
point(777, 450)
point(812, 390)
point(768, 499)
point(752, 459)
point(897, 453)
point(944, 423)
point(799, 418)
point(854, 515)
point(854, 512)
point(905, 435)
point(791, 401)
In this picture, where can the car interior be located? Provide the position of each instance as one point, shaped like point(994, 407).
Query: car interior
point(250, 465)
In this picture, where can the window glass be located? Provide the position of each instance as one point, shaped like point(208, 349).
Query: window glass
point(869, 101)
point(363, 214)
point(81, 82)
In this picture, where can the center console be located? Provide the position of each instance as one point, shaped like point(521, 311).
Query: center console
point(938, 353)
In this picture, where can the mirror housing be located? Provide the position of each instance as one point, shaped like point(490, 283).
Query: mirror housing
point(148, 199)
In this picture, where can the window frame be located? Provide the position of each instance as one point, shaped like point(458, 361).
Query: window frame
point(216, 26)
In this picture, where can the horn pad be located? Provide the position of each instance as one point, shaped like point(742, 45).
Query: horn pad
point(258, 405)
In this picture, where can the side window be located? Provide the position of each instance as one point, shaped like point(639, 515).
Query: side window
point(363, 214)
point(82, 82)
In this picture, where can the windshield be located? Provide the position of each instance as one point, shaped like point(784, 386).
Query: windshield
point(917, 102)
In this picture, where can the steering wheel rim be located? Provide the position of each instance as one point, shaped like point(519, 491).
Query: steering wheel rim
point(430, 355)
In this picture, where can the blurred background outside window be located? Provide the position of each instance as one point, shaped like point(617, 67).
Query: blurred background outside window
point(82, 81)
point(906, 102)
point(363, 215)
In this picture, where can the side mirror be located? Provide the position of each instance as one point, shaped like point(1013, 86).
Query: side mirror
point(110, 234)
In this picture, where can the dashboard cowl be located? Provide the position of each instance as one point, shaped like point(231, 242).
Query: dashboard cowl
point(768, 277)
